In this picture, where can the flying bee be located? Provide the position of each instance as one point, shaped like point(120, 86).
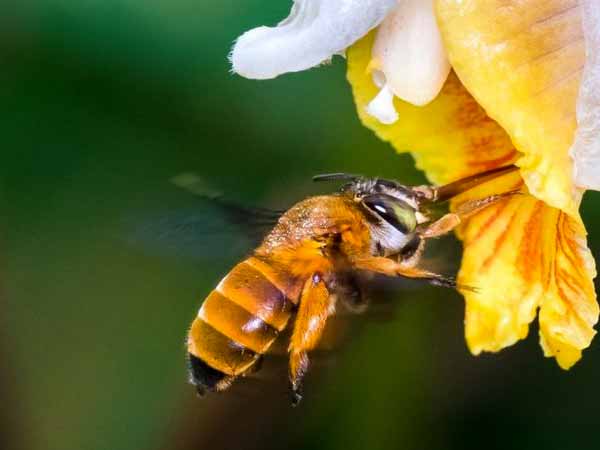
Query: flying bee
point(292, 278)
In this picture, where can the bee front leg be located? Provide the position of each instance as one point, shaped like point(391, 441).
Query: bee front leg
point(308, 328)
point(391, 268)
point(465, 210)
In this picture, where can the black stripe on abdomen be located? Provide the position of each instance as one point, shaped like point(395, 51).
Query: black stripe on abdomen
point(204, 377)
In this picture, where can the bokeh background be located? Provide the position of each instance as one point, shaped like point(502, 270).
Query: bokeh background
point(103, 102)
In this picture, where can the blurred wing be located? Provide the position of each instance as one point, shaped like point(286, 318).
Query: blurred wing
point(210, 227)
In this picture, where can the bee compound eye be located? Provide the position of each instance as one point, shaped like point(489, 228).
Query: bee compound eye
point(394, 211)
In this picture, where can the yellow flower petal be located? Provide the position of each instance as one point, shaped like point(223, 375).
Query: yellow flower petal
point(450, 138)
point(522, 60)
point(569, 310)
point(502, 258)
point(523, 254)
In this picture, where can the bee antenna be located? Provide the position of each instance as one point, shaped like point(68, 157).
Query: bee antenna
point(336, 176)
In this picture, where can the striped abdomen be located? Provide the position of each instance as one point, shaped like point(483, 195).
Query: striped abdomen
point(238, 322)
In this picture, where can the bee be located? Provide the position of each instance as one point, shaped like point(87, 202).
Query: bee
point(292, 278)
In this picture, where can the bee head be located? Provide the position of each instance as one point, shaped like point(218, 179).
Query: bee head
point(391, 209)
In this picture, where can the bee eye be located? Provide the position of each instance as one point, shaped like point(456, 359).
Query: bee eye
point(394, 211)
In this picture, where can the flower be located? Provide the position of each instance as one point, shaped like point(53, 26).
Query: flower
point(468, 86)
point(407, 37)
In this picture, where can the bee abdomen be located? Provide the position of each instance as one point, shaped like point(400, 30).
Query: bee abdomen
point(236, 324)
point(204, 377)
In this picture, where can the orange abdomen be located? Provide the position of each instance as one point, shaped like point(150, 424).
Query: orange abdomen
point(239, 321)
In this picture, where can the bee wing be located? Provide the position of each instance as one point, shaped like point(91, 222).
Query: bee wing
point(208, 226)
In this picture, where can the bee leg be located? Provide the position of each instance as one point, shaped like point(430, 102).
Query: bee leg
point(465, 210)
point(391, 268)
point(308, 327)
point(348, 288)
point(441, 226)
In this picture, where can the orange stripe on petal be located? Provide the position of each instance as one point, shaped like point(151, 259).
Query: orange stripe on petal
point(520, 255)
point(495, 249)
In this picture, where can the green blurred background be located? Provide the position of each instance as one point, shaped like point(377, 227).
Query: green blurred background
point(103, 102)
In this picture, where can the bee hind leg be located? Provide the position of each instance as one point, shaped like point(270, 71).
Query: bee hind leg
point(308, 328)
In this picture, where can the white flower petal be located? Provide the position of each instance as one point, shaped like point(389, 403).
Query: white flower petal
point(314, 31)
point(408, 49)
point(586, 146)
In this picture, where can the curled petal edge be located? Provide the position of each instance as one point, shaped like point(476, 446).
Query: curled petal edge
point(314, 31)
